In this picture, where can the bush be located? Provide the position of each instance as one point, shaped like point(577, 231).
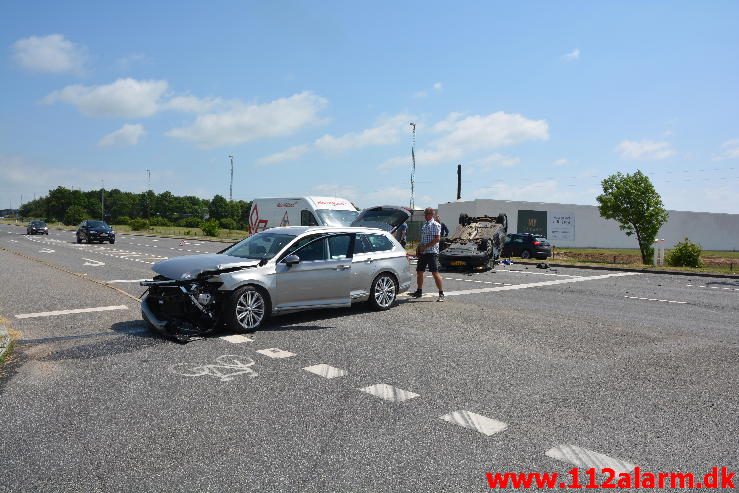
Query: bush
point(74, 215)
point(210, 228)
point(138, 224)
point(228, 223)
point(123, 220)
point(190, 222)
point(685, 254)
point(159, 221)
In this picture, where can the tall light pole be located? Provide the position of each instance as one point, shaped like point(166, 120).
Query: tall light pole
point(148, 175)
point(102, 201)
point(231, 186)
point(413, 170)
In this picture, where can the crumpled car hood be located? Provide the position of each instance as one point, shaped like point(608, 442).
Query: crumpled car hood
point(188, 267)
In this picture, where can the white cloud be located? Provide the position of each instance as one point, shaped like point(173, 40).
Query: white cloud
point(192, 104)
point(645, 150)
point(50, 54)
point(386, 132)
point(467, 137)
point(127, 98)
point(729, 150)
point(572, 56)
point(127, 135)
point(496, 160)
point(438, 86)
point(244, 123)
point(561, 162)
point(290, 154)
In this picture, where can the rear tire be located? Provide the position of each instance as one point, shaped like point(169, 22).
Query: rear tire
point(247, 309)
point(384, 292)
point(79, 240)
point(526, 254)
point(112, 241)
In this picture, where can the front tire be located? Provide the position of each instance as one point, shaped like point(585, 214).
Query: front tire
point(79, 240)
point(384, 292)
point(526, 254)
point(247, 309)
point(112, 241)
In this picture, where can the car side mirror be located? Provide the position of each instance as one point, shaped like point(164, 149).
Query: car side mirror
point(291, 260)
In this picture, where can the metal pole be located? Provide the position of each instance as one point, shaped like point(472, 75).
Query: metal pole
point(459, 181)
point(413, 170)
point(148, 174)
point(231, 186)
point(102, 201)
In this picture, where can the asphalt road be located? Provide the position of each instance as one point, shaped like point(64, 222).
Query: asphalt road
point(533, 370)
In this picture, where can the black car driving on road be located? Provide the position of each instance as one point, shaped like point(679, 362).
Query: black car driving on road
point(527, 245)
point(91, 230)
point(37, 228)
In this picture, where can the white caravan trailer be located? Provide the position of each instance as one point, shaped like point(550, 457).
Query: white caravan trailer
point(301, 211)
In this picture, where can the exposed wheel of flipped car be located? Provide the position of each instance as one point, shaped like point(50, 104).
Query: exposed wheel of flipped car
point(464, 219)
point(384, 291)
point(526, 254)
point(112, 241)
point(79, 240)
point(246, 309)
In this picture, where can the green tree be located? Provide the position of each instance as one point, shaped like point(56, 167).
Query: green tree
point(75, 214)
point(635, 204)
point(219, 208)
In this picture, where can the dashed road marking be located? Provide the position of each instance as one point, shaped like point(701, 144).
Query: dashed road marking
point(326, 371)
point(389, 393)
point(276, 353)
point(467, 419)
point(120, 281)
point(585, 458)
point(655, 299)
point(68, 312)
point(538, 284)
point(237, 339)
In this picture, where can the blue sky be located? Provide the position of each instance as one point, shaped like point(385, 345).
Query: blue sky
point(538, 101)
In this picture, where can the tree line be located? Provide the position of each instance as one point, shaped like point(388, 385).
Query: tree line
point(119, 207)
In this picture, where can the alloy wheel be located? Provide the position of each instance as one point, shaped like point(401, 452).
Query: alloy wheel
point(250, 309)
point(384, 291)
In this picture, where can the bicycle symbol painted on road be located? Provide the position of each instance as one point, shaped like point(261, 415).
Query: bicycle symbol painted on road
point(225, 368)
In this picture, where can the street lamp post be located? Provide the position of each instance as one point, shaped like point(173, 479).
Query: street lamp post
point(231, 186)
point(102, 201)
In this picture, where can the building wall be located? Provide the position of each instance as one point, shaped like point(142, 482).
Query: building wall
point(581, 225)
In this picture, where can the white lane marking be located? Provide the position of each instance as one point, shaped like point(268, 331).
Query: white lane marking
point(116, 281)
point(13, 241)
point(535, 273)
point(389, 393)
point(46, 250)
point(538, 284)
point(326, 371)
point(237, 339)
point(68, 312)
point(94, 263)
point(154, 240)
point(655, 299)
point(276, 353)
point(466, 419)
point(585, 458)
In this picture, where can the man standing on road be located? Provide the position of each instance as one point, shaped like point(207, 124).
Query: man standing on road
point(428, 254)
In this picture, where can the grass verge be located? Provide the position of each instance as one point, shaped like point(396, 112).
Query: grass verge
point(7, 350)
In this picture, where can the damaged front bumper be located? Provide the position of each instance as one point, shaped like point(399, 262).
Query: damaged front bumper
point(181, 310)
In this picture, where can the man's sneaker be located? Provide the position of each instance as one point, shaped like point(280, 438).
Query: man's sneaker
point(441, 297)
point(416, 294)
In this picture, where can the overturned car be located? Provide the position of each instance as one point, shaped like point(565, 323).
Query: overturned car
point(276, 271)
point(477, 242)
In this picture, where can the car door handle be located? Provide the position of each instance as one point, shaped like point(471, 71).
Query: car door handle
point(343, 267)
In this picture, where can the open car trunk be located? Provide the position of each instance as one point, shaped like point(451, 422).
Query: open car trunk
point(387, 217)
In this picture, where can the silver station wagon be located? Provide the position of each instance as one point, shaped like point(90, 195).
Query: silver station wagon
point(277, 271)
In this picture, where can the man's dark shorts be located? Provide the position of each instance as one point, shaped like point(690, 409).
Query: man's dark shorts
point(430, 260)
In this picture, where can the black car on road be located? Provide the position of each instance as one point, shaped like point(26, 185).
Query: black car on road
point(37, 228)
point(91, 230)
point(527, 245)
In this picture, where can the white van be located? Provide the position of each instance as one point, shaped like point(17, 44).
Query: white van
point(301, 211)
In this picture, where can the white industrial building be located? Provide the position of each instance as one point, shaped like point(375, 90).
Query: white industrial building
point(569, 225)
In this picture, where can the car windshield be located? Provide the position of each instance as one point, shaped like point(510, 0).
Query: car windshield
point(260, 246)
point(38, 224)
point(97, 224)
point(337, 218)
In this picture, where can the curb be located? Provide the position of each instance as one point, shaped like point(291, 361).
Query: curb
point(5, 341)
point(642, 271)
